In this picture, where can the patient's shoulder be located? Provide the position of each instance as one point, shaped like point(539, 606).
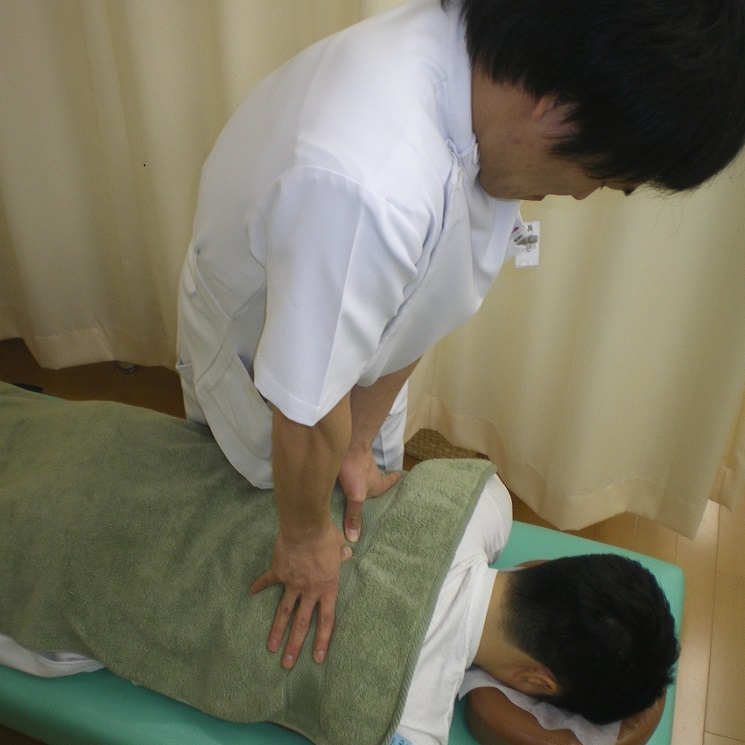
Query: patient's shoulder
point(489, 528)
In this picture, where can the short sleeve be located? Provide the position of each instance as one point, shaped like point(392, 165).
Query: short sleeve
point(338, 262)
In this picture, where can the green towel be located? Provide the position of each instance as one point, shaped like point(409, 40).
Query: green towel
point(126, 536)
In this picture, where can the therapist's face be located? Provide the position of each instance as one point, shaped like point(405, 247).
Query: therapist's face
point(516, 133)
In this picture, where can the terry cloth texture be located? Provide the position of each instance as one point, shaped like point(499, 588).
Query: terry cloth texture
point(127, 537)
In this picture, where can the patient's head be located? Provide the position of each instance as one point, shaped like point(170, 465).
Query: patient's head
point(603, 627)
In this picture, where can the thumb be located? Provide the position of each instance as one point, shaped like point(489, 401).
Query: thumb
point(353, 519)
point(261, 583)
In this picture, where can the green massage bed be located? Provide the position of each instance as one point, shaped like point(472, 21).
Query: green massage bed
point(97, 708)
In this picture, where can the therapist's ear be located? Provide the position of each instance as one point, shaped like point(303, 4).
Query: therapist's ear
point(551, 113)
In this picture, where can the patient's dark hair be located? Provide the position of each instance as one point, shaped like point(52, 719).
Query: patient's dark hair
point(602, 625)
point(657, 86)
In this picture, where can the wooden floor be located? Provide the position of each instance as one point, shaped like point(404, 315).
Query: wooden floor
point(710, 704)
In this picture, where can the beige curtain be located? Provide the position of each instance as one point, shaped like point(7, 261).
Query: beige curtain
point(610, 378)
point(107, 111)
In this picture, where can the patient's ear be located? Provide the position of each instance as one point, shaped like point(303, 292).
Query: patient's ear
point(533, 680)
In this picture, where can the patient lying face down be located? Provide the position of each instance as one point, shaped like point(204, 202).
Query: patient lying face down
point(591, 634)
point(131, 541)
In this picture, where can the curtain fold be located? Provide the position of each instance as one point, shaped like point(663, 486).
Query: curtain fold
point(609, 378)
point(109, 108)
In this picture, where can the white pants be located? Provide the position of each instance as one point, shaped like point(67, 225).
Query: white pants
point(388, 447)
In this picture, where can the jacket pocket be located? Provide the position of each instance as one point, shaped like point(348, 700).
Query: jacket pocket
point(238, 415)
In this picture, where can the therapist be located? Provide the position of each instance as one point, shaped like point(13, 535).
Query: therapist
point(361, 200)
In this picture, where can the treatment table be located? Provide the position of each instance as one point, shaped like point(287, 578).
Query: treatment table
point(99, 708)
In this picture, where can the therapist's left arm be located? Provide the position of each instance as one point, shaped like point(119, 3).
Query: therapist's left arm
point(359, 475)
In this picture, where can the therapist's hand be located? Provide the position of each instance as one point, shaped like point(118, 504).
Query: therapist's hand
point(359, 475)
point(309, 549)
point(309, 569)
point(360, 478)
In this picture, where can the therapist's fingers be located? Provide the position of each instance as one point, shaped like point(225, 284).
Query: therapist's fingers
point(377, 484)
point(309, 570)
point(383, 482)
point(303, 614)
point(301, 625)
point(354, 475)
point(284, 609)
point(353, 518)
point(324, 625)
point(281, 621)
point(360, 478)
point(268, 579)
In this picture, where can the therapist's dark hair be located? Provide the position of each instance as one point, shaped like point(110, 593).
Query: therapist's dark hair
point(657, 87)
point(602, 625)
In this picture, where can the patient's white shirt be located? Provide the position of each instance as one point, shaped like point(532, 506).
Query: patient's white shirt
point(455, 630)
point(449, 646)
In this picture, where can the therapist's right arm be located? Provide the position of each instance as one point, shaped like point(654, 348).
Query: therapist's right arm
point(309, 549)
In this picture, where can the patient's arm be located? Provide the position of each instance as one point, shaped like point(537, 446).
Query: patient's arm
point(491, 716)
point(494, 720)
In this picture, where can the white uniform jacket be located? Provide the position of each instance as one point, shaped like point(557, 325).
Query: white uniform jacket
point(340, 231)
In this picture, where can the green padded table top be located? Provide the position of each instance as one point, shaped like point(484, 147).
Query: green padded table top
point(97, 708)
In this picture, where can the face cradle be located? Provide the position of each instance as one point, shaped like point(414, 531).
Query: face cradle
point(515, 133)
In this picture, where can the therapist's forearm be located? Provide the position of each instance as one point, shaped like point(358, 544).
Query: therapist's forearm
point(370, 406)
point(306, 462)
